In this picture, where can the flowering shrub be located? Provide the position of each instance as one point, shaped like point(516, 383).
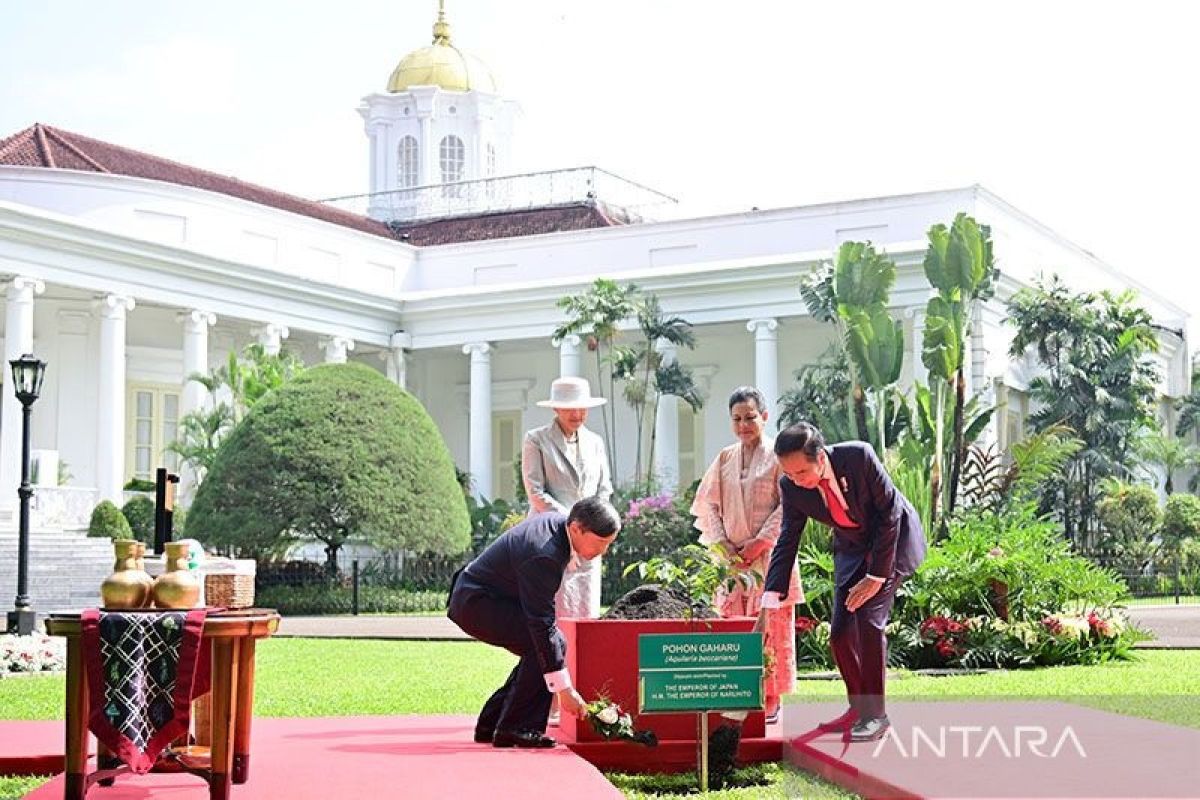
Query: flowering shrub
point(610, 721)
point(658, 502)
point(812, 643)
point(34, 653)
point(946, 636)
point(655, 526)
point(983, 641)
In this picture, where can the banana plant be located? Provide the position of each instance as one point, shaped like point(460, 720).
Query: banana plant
point(862, 282)
point(959, 265)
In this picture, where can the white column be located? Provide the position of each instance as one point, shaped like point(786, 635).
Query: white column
point(430, 174)
point(396, 358)
point(766, 364)
point(666, 430)
point(917, 344)
point(335, 348)
point(195, 362)
point(110, 401)
point(18, 340)
point(570, 363)
point(271, 336)
point(480, 419)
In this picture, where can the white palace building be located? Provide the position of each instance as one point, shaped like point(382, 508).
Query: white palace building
point(126, 272)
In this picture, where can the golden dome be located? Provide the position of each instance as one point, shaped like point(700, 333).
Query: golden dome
point(441, 64)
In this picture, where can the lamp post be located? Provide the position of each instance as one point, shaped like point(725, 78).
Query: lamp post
point(28, 373)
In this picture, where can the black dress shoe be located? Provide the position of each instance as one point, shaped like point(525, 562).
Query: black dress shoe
point(521, 739)
point(483, 736)
point(869, 729)
point(840, 724)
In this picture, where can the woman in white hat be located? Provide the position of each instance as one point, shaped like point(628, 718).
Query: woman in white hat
point(562, 463)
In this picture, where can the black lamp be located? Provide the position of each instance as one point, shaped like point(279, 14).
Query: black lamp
point(28, 374)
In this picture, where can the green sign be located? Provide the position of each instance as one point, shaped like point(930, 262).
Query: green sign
point(700, 671)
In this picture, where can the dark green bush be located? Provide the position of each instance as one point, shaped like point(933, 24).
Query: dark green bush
point(339, 452)
point(320, 599)
point(289, 573)
point(107, 520)
point(139, 511)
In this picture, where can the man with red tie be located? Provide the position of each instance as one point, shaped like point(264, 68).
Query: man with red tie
point(877, 543)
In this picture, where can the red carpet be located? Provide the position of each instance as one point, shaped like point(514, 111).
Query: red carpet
point(1000, 750)
point(417, 758)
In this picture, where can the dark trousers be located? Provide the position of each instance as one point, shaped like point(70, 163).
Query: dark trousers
point(523, 702)
point(860, 646)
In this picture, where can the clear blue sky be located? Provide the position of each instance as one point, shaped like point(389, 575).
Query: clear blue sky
point(1080, 113)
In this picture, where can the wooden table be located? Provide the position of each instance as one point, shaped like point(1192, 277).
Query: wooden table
point(233, 635)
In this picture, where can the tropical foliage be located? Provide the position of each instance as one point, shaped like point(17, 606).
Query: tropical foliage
point(234, 388)
point(958, 265)
point(1097, 378)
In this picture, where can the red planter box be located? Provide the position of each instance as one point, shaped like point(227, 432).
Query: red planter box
point(602, 657)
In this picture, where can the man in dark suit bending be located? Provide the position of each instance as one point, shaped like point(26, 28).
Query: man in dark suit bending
point(505, 597)
point(877, 543)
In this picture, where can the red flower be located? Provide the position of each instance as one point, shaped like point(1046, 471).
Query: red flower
point(805, 625)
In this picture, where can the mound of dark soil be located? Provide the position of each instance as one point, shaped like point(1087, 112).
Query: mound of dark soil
point(654, 601)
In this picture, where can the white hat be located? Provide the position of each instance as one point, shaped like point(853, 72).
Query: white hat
point(571, 393)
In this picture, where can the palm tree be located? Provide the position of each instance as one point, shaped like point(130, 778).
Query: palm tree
point(1170, 453)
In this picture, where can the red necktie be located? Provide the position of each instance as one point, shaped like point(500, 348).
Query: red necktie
point(840, 518)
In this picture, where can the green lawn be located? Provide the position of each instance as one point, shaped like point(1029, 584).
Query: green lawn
point(338, 677)
point(12, 788)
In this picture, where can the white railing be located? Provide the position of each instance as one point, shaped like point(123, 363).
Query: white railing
point(506, 193)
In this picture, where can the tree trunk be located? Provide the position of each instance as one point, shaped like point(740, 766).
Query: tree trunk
point(960, 391)
point(331, 565)
point(935, 468)
point(653, 444)
point(860, 414)
point(881, 420)
point(604, 410)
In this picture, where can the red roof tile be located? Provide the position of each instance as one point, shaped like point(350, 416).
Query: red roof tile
point(506, 224)
point(45, 146)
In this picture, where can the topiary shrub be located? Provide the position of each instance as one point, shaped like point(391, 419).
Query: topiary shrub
point(336, 453)
point(139, 511)
point(107, 520)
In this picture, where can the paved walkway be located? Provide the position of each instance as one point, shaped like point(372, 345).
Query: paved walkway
point(373, 626)
point(1175, 626)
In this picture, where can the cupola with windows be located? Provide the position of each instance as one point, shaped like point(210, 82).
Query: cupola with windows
point(439, 129)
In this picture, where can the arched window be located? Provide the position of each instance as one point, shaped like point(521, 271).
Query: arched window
point(410, 163)
point(453, 156)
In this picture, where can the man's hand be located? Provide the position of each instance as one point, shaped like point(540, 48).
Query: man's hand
point(572, 703)
point(861, 592)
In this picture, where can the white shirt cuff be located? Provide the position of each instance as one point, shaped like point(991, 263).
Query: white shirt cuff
point(557, 681)
point(877, 579)
point(769, 600)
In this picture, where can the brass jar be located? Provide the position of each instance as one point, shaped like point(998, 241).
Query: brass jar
point(140, 559)
point(178, 586)
point(128, 586)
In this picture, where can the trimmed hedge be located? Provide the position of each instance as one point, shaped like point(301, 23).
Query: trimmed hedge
point(107, 520)
point(338, 453)
point(317, 600)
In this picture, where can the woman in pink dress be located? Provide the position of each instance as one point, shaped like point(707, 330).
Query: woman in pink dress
point(738, 513)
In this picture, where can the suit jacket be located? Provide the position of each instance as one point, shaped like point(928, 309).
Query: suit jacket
point(553, 482)
point(525, 565)
point(889, 540)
